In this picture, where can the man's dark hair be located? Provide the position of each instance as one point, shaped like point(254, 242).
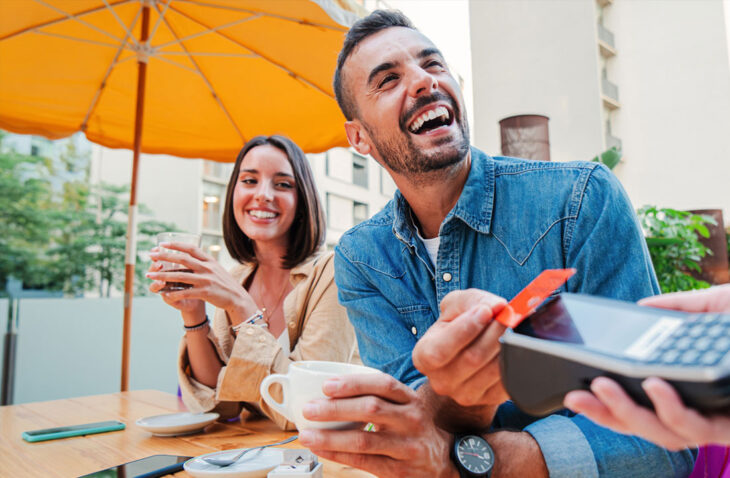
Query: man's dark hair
point(363, 28)
point(306, 233)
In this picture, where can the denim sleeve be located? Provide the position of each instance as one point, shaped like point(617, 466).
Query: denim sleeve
point(606, 246)
point(577, 447)
point(374, 317)
point(605, 243)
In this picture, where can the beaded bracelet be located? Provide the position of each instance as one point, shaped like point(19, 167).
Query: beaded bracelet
point(257, 316)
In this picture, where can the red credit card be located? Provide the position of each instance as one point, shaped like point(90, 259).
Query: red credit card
point(531, 296)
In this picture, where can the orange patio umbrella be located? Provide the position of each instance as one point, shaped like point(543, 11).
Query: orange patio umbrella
point(190, 78)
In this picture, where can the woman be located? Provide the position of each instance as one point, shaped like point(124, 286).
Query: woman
point(279, 305)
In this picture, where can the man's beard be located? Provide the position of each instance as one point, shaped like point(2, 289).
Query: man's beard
point(402, 156)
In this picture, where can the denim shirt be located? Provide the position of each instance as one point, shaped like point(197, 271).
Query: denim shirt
point(514, 219)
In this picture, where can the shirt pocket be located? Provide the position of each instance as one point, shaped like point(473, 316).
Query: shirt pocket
point(416, 318)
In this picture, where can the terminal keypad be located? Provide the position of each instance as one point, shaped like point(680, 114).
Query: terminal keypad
point(702, 340)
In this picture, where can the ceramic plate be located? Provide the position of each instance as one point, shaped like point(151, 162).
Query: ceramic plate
point(256, 467)
point(173, 424)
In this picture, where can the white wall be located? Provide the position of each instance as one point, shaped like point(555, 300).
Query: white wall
point(170, 186)
point(673, 72)
point(537, 57)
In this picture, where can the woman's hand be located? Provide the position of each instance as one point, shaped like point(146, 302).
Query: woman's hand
point(209, 281)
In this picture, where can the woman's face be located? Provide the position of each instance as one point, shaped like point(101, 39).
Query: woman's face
point(265, 196)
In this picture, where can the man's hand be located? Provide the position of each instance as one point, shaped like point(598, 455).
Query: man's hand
point(406, 442)
point(460, 352)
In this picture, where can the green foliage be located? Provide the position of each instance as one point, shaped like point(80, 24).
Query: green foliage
point(674, 245)
point(25, 194)
point(610, 157)
point(61, 234)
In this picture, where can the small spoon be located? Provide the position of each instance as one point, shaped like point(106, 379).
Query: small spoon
point(213, 460)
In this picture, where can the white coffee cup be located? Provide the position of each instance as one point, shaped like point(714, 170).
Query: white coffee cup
point(302, 384)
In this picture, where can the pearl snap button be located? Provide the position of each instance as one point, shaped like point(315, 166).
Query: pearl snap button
point(414, 331)
point(446, 277)
point(262, 339)
point(249, 331)
point(292, 324)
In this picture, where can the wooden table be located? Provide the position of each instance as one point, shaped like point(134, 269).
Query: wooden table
point(76, 456)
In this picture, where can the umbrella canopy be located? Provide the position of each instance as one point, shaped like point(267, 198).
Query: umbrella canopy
point(191, 78)
point(218, 72)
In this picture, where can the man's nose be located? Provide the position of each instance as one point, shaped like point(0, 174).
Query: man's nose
point(421, 82)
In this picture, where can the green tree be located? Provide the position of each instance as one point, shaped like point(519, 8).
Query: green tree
point(25, 196)
point(61, 234)
point(674, 246)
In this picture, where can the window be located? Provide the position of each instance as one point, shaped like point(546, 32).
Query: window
point(213, 195)
point(359, 212)
point(359, 170)
point(212, 245)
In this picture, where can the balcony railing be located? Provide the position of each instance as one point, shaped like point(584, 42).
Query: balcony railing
point(610, 93)
point(606, 41)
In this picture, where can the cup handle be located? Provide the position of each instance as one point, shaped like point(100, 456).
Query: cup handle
point(283, 406)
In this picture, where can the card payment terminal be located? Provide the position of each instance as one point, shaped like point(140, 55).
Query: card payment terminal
point(571, 339)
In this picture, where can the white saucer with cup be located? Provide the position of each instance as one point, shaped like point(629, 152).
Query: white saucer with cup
point(302, 384)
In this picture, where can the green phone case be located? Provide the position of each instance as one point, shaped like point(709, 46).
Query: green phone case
point(88, 429)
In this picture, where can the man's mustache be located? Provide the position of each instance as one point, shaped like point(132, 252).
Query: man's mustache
point(423, 101)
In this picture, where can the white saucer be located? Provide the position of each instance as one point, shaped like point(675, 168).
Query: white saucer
point(256, 467)
point(173, 424)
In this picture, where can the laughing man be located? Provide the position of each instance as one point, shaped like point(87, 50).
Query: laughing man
point(414, 280)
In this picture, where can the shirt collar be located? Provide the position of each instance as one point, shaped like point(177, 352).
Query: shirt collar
point(474, 207)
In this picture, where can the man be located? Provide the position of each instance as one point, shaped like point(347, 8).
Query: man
point(462, 220)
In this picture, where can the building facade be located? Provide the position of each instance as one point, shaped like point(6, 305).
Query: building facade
point(652, 78)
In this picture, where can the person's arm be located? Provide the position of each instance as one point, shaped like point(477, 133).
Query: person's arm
point(384, 341)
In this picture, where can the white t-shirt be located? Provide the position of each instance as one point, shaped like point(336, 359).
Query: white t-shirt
point(432, 247)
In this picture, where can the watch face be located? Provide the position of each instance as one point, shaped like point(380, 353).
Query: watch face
point(474, 454)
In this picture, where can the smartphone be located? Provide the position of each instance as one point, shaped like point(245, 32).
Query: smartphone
point(150, 467)
point(72, 431)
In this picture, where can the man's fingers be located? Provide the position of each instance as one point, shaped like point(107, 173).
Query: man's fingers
point(357, 441)
point(443, 342)
point(371, 463)
point(367, 409)
point(378, 384)
point(459, 301)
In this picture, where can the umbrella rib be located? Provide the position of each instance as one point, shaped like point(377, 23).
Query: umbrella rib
point(272, 15)
point(57, 20)
point(160, 16)
point(75, 18)
point(82, 40)
point(225, 55)
point(205, 79)
point(179, 65)
point(207, 31)
point(119, 20)
point(263, 57)
point(108, 73)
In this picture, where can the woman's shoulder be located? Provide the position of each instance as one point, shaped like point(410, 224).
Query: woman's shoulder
point(321, 263)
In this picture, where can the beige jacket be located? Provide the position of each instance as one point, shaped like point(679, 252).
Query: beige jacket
point(318, 330)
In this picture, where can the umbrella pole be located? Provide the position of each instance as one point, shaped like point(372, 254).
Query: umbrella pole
point(131, 249)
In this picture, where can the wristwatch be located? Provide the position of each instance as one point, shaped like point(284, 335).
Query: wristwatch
point(473, 456)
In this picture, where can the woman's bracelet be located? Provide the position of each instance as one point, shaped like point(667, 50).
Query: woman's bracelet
point(257, 317)
point(199, 326)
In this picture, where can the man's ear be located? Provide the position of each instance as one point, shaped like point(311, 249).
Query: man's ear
point(358, 137)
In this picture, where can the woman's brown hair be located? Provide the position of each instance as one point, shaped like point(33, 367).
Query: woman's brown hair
point(306, 233)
